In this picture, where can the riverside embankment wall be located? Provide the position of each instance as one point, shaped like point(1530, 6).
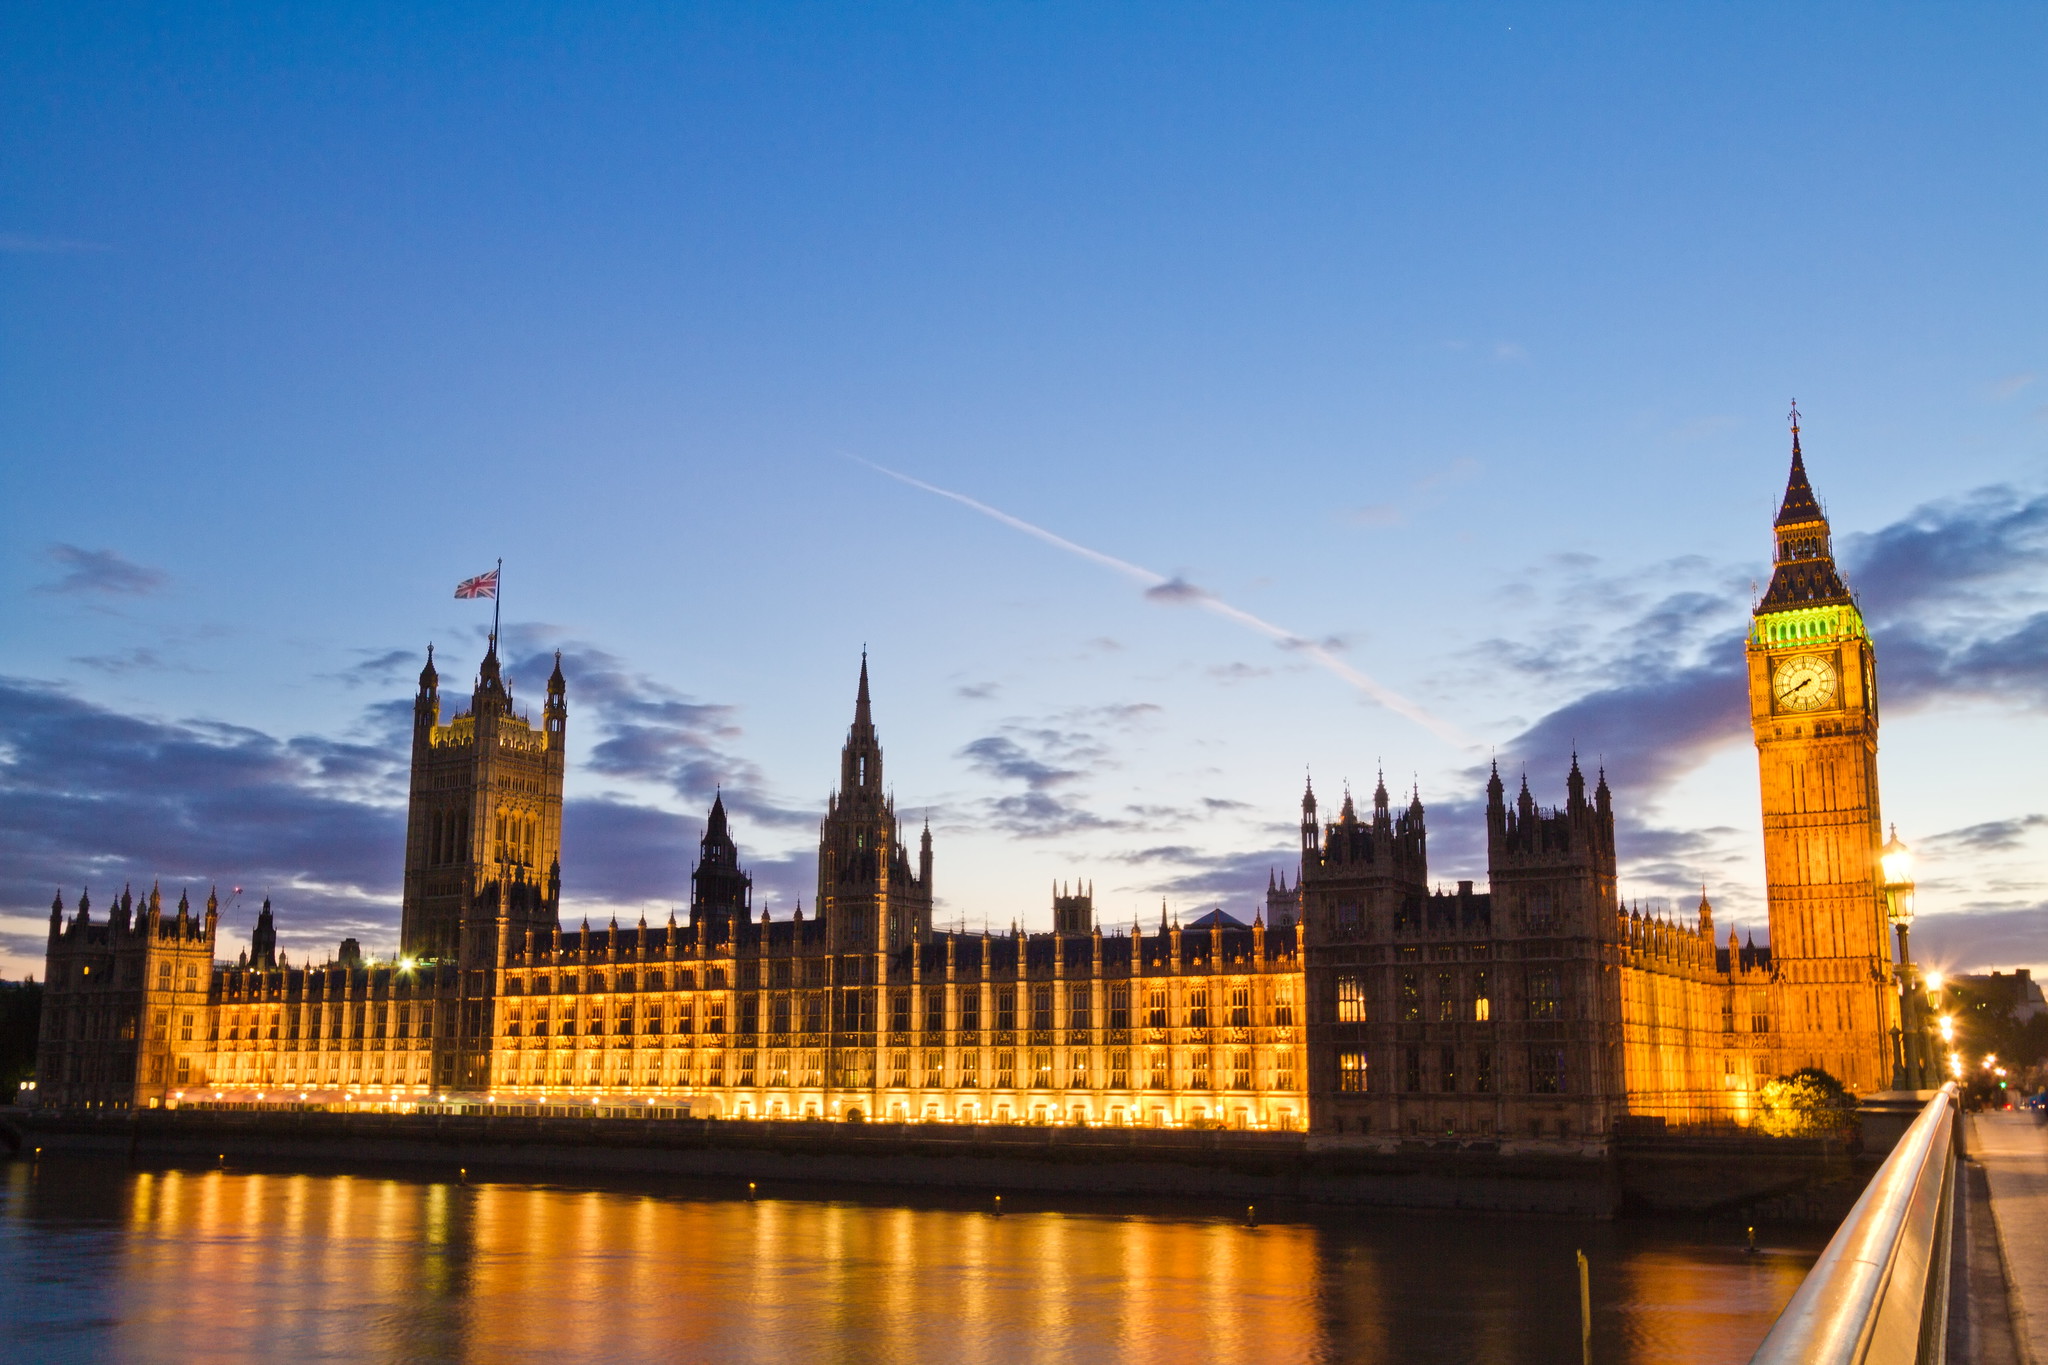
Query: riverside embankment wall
point(1734, 1178)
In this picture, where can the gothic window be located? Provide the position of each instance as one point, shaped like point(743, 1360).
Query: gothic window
point(780, 1009)
point(1539, 909)
point(1283, 1006)
point(1482, 998)
point(1283, 1070)
point(163, 976)
point(1350, 919)
point(1482, 1071)
point(970, 1010)
point(1447, 1070)
point(1411, 1060)
point(934, 1011)
point(1446, 998)
point(1198, 1008)
point(1198, 1071)
point(1351, 1071)
point(746, 1076)
point(1006, 1008)
point(1411, 995)
point(1041, 1070)
point(1120, 1070)
point(1041, 1008)
point(814, 1013)
point(750, 1014)
point(1006, 1070)
point(1119, 1007)
point(899, 1012)
point(899, 1069)
point(934, 1069)
point(1077, 1073)
point(1351, 997)
point(1543, 995)
point(1546, 1071)
point(1240, 1006)
point(1158, 1078)
point(1078, 1007)
point(1240, 1071)
point(1156, 1009)
point(160, 1027)
point(1759, 1011)
point(970, 1069)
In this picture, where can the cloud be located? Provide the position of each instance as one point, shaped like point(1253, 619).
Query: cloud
point(137, 660)
point(1174, 591)
point(1238, 672)
point(646, 732)
point(1045, 760)
point(100, 571)
point(1992, 836)
point(1375, 514)
point(2012, 384)
point(1230, 878)
point(89, 795)
point(379, 667)
point(978, 691)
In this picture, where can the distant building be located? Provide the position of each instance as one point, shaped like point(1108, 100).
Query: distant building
point(1359, 1002)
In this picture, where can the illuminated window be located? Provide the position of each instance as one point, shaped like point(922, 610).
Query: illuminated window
point(1198, 1008)
point(1006, 1070)
point(899, 1069)
point(1041, 1008)
point(1155, 1009)
point(1482, 998)
point(1119, 1070)
point(1119, 1007)
point(1283, 1071)
point(1446, 998)
point(1240, 1006)
point(1546, 1071)
point(1411, 995)
point(1077, 1070)
point(1198, 1071)
point(934, 1069)
point(1351, 1071)
point(1351, 997)
point(970, 1010)
point(1543, 995)
point(1078, 1006)
point(1158, 1076)
point(1041, 1070)
point(1283, 1006)
point(1240, 1071)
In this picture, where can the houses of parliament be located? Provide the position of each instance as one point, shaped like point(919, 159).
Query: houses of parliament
point(1358, 1004)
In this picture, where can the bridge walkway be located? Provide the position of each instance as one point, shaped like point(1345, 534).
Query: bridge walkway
point(2012, 1150)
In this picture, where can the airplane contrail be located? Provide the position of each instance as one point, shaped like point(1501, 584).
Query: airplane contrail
point(1182, 591)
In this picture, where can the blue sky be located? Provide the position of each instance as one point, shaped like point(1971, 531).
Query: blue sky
point(1453, 340)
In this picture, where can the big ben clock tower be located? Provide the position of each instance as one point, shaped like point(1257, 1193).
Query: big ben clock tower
point(1813, 708)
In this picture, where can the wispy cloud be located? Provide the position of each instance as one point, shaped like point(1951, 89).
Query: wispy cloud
point(100, 572)
point(1176, 590)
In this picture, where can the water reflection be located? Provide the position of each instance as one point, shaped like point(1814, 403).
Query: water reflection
point(104, 1262)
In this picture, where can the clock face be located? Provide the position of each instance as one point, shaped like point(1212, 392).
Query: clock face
point(1806, 682)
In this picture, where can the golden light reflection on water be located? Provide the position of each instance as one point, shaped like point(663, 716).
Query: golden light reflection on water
point(226, 1265)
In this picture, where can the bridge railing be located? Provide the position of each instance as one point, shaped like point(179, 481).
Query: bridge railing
point(1879, 1293)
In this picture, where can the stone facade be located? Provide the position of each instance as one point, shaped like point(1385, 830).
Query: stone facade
point(1360, 1003)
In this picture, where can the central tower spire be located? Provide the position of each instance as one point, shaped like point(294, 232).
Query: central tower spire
point(868, 893)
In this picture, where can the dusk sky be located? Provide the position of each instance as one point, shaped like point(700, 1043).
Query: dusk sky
point(1172, 400)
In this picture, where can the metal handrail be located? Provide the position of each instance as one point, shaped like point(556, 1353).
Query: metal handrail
point(1879, 1294)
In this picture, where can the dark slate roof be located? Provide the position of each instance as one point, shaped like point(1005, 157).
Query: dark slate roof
point(1800, 505)
point(1216, 917)
point(1804, 583)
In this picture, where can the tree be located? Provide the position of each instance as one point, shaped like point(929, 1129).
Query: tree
point(21, 1018)
point(1807, 1103)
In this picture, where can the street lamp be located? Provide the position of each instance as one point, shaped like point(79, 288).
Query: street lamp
point(1895, 862)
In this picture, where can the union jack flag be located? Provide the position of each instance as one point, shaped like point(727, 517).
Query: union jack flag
point(483, 585)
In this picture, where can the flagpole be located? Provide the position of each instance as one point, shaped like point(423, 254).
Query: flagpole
point(497, 592)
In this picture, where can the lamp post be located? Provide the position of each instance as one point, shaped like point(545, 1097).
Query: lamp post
point(1895, 860)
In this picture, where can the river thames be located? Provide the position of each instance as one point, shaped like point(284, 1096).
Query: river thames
point(101, 1261)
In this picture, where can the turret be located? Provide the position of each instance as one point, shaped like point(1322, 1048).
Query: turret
point(1311, 832)
point(426, 706)
point(924, 857)
point(56, 918)
point(556, 714)
point(263, 941)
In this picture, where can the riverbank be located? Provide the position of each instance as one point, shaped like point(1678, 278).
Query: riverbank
point(1731, 1178)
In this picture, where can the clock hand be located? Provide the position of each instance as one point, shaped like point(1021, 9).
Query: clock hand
point(1803, 682)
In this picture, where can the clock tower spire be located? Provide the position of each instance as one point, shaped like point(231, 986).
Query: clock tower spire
point(1813, 711)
